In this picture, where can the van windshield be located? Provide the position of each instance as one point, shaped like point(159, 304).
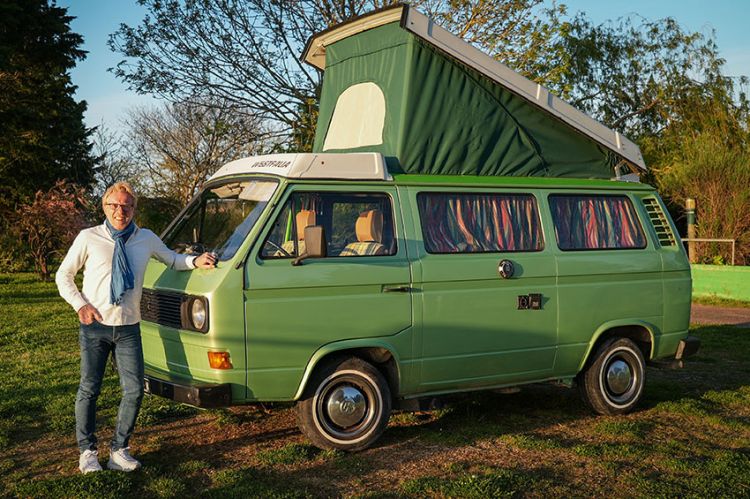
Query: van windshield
point(220, 218)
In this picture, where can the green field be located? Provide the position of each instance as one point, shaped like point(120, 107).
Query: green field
point(690, 438)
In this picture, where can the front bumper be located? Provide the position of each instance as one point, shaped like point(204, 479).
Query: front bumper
point(197, 394)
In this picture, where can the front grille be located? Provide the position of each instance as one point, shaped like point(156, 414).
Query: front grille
point(162, 307)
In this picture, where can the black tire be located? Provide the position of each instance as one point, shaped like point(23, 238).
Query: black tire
point(346, 406)
point(613, 382)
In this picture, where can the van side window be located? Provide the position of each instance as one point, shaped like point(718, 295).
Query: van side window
point(355, 225)
point(592, 222)
point(479, 223)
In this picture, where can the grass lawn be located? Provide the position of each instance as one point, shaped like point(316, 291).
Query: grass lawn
point(690, 438)
point(716, 301)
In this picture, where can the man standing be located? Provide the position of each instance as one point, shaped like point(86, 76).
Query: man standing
point(114, 256)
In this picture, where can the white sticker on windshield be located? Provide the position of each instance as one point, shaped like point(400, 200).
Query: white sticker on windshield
point(258, 191)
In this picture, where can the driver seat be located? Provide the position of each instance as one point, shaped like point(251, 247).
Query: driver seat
point(303, 219)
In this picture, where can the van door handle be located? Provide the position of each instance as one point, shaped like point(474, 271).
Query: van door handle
point(401, 288)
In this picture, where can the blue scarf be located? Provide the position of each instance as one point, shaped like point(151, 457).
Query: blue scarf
point(122, 276)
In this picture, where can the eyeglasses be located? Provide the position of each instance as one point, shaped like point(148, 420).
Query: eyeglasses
point(123, 207)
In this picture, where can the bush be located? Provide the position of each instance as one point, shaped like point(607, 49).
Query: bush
point(704, 155)
point(156, 213)
point(718, 178)
point(14, 255)
point(50, 223)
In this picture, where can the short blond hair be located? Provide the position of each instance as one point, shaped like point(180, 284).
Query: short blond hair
point(120, 187)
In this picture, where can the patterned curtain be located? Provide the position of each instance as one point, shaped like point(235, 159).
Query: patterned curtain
point(477, 223)
point(596, 222)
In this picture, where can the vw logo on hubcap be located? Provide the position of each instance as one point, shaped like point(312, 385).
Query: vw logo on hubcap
point(346, 406)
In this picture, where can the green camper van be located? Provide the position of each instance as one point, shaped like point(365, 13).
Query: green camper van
point(456, 228)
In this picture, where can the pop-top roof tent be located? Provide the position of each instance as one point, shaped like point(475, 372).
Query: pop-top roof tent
point(397, 84)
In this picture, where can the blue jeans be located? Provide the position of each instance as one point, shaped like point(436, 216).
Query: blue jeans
point(97, 341)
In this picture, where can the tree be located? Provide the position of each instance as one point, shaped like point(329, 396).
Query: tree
point(180, 145)
point(525, 35)
point(703, 153)
point(116, 161)
point(42, 134)
point(633, 74)
point(665, 88)
point(247, 53)
point(49, 224)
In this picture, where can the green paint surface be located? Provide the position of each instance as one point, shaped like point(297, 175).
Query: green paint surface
point(722, 281)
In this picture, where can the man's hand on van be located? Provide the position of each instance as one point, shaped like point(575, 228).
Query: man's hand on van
point(88, 314)
point(206, 261)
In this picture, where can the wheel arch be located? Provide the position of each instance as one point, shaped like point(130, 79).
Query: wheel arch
point(380, 354)
point(641, 332)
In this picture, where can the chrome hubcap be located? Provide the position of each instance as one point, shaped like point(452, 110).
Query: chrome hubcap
point(346, 406)
point(619, 377)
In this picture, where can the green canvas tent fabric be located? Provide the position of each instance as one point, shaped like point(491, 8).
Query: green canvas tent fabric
point(444, 117)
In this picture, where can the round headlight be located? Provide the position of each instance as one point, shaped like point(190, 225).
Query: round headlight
point(198, 313)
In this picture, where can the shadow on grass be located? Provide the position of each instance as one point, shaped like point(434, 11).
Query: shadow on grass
point(719, 366)
point(704, 387)
point(468, 418)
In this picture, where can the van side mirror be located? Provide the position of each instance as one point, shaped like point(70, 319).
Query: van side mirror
point(315, 244)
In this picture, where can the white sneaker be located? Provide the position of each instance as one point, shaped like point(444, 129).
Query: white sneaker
point(121, 460)
point(89, 461)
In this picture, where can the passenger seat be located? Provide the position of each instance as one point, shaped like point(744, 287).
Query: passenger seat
point(369, 229)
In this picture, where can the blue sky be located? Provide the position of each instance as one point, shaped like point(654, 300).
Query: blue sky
point(109, 99)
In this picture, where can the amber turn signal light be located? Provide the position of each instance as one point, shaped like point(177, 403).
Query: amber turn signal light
point(219, 360)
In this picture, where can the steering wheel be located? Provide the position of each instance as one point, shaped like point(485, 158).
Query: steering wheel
point(190, 248)
point(278, 248)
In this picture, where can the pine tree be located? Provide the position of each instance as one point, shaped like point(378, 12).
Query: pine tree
point(42, 135)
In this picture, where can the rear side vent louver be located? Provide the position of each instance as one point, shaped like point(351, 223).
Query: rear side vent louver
point(659, 221)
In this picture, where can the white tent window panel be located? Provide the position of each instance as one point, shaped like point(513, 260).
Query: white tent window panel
point(358, 118)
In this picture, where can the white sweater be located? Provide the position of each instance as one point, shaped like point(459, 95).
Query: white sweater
point(93, 249)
